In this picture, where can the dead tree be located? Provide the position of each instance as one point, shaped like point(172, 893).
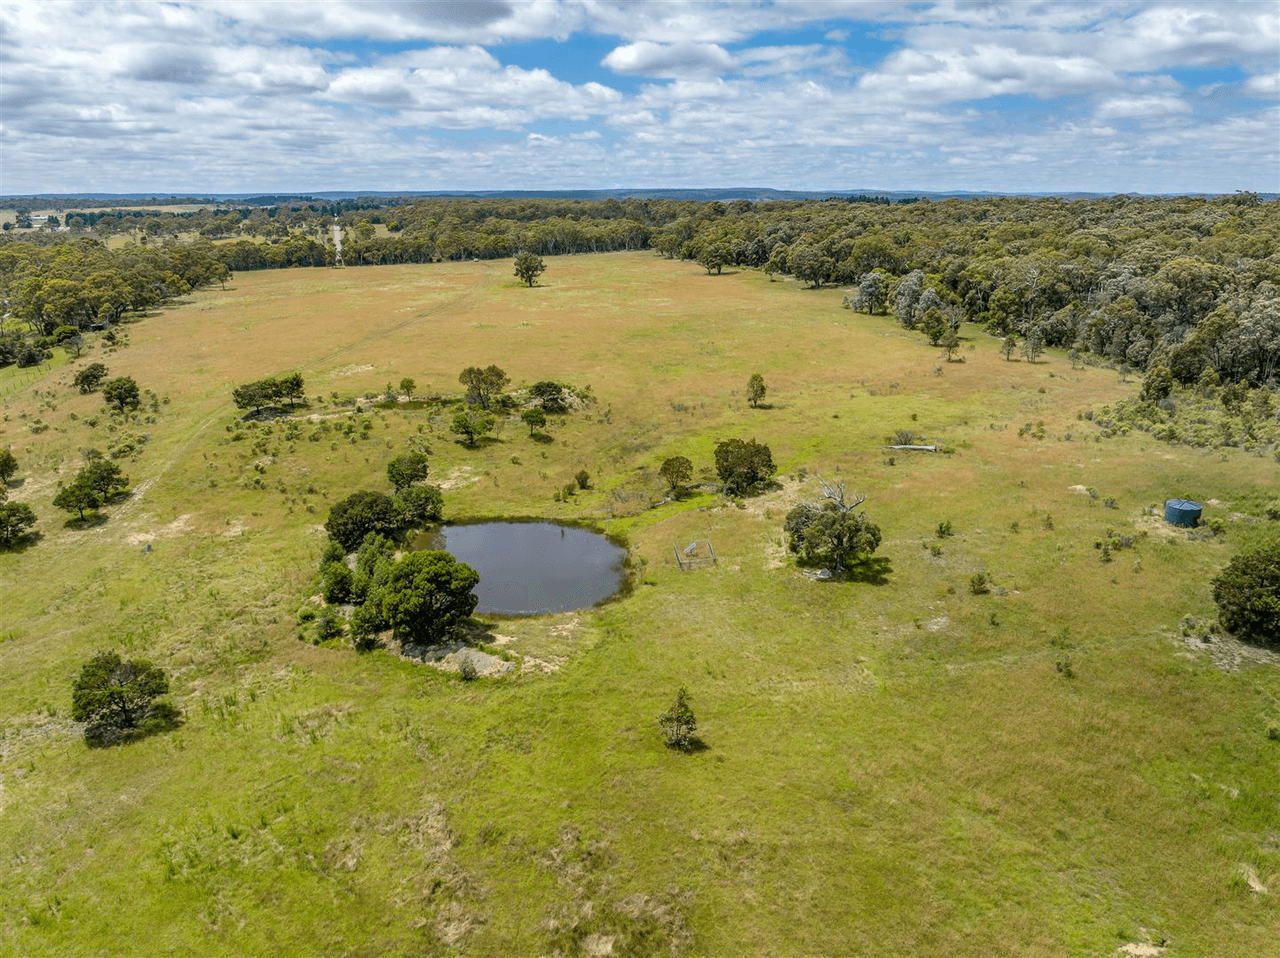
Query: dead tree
point(837, 494)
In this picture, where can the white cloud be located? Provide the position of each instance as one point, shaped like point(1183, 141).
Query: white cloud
point(1142, 107)
point(142, 95)
point(647, 58)
point(985, 70)
point(1263, 85)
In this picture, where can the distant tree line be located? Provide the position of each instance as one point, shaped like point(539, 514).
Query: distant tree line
point(81, 284)
point(1188, 283)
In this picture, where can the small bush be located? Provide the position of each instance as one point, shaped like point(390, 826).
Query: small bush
point(583, 478)
point(979, 584)
point(678, 724)
point(944, 530)
point(338, 583)
point(328, 625)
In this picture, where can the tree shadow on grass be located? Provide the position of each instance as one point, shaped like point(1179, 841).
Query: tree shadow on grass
point(88, 522)
point(543, 438)
point(695, 746)
point(474, 632)
point(272, 413)
point(482, 442)
point(23, 543)
point(871, 571)
point(163, 718)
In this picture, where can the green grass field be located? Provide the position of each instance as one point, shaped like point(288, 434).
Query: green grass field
point(896, 767)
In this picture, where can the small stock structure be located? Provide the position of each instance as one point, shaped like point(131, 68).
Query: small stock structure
point(698, 554)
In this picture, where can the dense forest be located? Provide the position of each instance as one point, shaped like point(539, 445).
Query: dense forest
point(1188, 285)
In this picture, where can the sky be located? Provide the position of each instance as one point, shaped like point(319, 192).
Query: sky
point(283, 96)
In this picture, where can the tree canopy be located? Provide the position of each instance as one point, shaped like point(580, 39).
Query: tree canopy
point(97, 483)
point(89, 378)
point(483, 385)
point(742, 465)
point(122, 393)
point(359, 514)
point(407, 468)
point(1247, 594)
point(8, 465)
point(829, 536)
point(677, 470)
point(16, 521)
point(427, 594)
point(534, 418)
point(471, 425)
point(529, 266)
point(117, 699)
point(269, 391)
point(550, 396)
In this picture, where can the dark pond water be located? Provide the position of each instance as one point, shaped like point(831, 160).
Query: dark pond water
point(528, 568)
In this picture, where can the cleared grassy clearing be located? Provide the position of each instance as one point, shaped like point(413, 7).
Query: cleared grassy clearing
point(892, 768)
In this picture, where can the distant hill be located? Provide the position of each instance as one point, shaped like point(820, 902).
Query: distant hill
point(724, 194)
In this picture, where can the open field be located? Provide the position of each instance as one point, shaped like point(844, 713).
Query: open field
point(893, 767)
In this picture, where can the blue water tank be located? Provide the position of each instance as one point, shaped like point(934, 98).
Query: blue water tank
point(1182, 512)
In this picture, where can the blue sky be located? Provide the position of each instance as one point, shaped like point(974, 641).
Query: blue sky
point(235, 96)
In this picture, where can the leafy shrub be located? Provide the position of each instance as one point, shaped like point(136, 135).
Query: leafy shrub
point(420, 505)
point(337, 583)
point(367, 620)
point(1248, 595)
point(328, 625)
point(551, 396)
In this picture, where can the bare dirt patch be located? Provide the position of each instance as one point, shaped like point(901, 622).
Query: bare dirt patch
point(781, 500)
point(1157, 526)
point(1229, 653)
point(1138, 949)
point(179, 526)
point(450, 656)
point(1252, 880)
point(459, 476)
